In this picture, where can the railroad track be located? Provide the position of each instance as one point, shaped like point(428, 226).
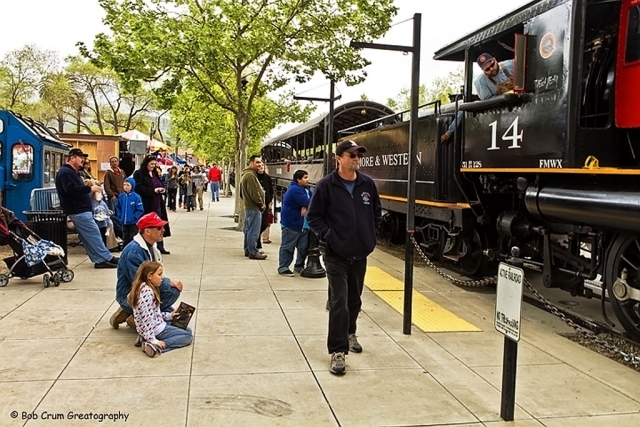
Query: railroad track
point(602, 337)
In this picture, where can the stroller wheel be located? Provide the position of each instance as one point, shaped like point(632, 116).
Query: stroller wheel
point(45, 280)
point(55, 278)
point(66, 275)
point(4, 279)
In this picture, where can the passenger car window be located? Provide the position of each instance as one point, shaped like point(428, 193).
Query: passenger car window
point(22, 162)
point(49, 173)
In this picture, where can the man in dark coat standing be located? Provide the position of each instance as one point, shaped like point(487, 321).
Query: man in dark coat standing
point(75, 201)
point(345, 212)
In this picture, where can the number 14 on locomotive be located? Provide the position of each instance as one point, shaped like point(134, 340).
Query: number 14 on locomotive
point(511, 134)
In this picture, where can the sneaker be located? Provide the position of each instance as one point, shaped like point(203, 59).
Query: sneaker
point(337, 363)
point(105, 264)
point(150, 350)
point(131, 322)
point(298, 270)
point(246, 254)
point(287, 272)
point(114, 260)
point(257, 256)
point(217, 200)
point(138, 342)
point(117, 318)
point(354, 345)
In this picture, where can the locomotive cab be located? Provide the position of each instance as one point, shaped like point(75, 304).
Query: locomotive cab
point(575, 88)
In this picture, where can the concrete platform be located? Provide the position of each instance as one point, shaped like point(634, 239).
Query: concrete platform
point(259, 356)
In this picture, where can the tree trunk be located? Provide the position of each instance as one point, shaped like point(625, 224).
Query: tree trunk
point(60, 123)
point(241, 161)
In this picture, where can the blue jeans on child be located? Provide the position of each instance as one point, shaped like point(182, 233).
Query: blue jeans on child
point(175, 337)
point(289, 241)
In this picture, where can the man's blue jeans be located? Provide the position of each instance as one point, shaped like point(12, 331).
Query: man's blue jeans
point(252, 221)
point(292, 240)
point(456, 122)
point(215, 190)
point(91, 239)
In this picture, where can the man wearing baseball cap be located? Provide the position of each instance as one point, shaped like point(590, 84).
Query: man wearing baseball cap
point(142, 248)
point(75, 201)
point(496, 79)
point(345, 212)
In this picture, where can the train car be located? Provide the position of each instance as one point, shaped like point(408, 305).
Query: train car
point(30, 157)
point(305, 147)
point(552, 168)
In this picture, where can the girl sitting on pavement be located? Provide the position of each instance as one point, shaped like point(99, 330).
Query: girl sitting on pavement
point(156, 334)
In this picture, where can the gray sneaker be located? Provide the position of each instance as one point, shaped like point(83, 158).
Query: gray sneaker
point(354, 345)
point(337, 363)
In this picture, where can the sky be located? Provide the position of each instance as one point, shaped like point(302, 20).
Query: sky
point(59, 24)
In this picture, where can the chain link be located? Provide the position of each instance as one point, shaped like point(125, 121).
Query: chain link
point(587, 335)
point(467, 283)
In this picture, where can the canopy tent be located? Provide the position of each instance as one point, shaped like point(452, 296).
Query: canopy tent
point(134, 135)
point(152, 144)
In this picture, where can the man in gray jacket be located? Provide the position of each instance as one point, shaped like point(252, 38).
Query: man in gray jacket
point(252, 196)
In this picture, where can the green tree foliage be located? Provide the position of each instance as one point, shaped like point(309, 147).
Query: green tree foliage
point(101, 104)
point(21, 71)
point(235, 52)
point(439, 90)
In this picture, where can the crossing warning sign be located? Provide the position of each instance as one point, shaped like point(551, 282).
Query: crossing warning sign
point(507, 320)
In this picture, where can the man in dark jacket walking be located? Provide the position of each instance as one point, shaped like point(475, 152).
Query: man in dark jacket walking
point(345, 213)
point(75, 201)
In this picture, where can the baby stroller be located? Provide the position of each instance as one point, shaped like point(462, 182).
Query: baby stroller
point(31, 254)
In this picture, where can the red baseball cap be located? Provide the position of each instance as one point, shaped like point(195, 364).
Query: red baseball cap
point(151, 220)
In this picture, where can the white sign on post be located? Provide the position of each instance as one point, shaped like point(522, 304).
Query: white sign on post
point(509, 301)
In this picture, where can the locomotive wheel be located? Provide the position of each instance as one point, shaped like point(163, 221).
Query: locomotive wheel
point(393, 228)
point(624, 252)
point(473, 263)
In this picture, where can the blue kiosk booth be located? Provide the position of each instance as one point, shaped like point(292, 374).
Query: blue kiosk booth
point(30, 156)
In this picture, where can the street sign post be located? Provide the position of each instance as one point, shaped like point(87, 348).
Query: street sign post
point(507, 321)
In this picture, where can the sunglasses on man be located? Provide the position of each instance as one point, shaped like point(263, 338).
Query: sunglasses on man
point(354, 155)
point(490, 66)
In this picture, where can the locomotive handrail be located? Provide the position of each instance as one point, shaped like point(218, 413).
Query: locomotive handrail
point(493, 102)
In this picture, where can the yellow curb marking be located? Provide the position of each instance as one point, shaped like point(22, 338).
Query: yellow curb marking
point(426, 314)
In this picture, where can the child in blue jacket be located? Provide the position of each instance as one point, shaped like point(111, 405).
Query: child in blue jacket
point(129, 210)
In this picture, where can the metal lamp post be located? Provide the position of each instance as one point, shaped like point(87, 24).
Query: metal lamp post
point(314, 268)
point(413, 150)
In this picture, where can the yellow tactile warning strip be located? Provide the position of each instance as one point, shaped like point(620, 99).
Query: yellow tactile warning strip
point(426, 314)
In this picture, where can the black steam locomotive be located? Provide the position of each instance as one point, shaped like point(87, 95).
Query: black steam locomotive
point(552, 168)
